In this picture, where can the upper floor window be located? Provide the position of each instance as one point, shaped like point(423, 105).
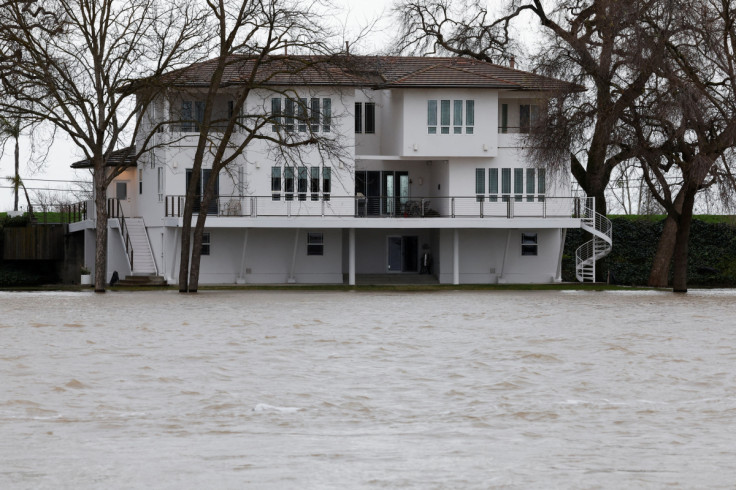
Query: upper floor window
point(365, 120)
point(191, 115)
point(480, 183)
point(432, 116)
point(445, 116)
point(313, 113)
point(528, 116)
point(469, 116)
point(300, 181)
point(533, 184)
point(451, 115)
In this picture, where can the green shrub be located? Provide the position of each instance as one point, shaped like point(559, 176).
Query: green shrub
point(711, 251)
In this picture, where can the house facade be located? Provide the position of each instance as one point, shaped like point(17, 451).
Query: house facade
point(431, 177)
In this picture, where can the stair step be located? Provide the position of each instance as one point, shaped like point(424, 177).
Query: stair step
point(143, 280)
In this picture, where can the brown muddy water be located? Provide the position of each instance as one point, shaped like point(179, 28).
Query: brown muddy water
point(338, 390)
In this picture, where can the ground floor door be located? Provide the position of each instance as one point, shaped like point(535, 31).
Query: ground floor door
point(402, 253)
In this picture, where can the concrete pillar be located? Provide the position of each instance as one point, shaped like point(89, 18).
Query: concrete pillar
point(292, 278)
point(351, 257)
point(456, 256)
point(241, 277)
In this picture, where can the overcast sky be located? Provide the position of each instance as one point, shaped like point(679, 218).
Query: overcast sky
point(356, 14)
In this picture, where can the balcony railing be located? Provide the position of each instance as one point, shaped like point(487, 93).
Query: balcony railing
point(501, 206)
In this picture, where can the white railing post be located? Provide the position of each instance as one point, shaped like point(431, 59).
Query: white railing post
point(452, 206)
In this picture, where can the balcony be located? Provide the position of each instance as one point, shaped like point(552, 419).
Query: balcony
point(365, 208)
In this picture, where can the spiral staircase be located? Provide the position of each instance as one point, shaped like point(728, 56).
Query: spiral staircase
point(591, 251)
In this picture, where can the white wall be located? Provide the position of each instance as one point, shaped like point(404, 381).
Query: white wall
point(482, 256)
point(269, 254)
point(482, 143)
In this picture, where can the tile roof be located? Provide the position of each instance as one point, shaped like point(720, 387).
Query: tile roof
point(118, 158)
point(367, 71)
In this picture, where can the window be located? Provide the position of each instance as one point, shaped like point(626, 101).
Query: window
point(518, 184)
point(204, 177)
point(302, 183)
point(326, 183)
point(326, 115)
point(160, 184)
point(315, 244)
point(493, 184)
point(289, 115)
point(140, 181)
point(480, 183)
point(314, 115)
point(302, 115)
point(445, 116)
point(289, 183)
point(314, 183)
point(370, 117)
point(198, 114)
point(358, 117)
point(205, 250)
point(469, 116)
point(276, 114)
point(121, 190)
point(530, 185)
point(524, 118)
point(541, 185)
point(275, 183)
point(529, 244)
point(187, 124)
point(505, 183)
point(457, 117)
point(432, 117)
point(528, 116)
point(241, 180)
point(451, 113)
point(504, 118)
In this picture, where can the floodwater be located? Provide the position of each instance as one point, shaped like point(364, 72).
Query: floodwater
point(346, 390)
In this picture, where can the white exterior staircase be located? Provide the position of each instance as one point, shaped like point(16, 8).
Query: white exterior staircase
point(589, 252)
point(143, 262)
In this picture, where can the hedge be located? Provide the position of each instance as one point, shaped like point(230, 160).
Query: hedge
point(711, 252)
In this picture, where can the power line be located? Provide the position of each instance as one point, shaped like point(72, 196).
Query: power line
point(37, 188)
point(61, 180)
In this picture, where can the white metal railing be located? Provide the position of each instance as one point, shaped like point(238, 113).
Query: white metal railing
point(317, 205)
point(593, 250)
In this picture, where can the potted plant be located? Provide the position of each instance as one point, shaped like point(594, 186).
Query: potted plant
point(86, 279)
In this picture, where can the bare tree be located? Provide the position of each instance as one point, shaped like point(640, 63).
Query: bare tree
point(87, 67)
point(686, 121)
point(591, 43)
point(252, 39)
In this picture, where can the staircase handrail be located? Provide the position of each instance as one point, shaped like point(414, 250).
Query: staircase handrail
point(602, 230)
point(118, 210)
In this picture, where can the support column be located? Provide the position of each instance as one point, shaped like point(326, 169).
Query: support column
point(501, 279)
point(456, 256)
point(241, 277)
point(291, 278)
point(351, 257)
point(175, 255)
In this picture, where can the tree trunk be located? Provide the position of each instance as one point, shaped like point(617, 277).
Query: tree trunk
point(679, 273)
point(660, 272)
point(659, 275)
point(16, 182)
point(186, 240)
point(100, 227)
point(208, 196)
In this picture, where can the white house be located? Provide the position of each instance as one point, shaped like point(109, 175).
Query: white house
point(433, 164)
